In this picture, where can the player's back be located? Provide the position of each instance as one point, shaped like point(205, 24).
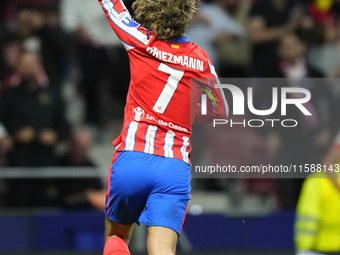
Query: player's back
point(157, 113)
point(161, 73)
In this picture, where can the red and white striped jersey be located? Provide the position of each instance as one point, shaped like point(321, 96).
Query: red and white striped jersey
point(158, 106)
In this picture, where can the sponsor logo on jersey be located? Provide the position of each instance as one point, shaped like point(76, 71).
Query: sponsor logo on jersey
point(166, 124)
point(138, 113)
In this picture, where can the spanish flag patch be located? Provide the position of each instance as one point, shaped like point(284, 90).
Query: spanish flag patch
point(175, 46)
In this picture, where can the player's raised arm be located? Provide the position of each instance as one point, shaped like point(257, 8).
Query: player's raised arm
point(127, 29)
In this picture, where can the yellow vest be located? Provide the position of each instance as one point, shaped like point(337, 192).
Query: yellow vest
point(317, 223)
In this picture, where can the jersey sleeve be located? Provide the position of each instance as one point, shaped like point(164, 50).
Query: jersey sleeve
point(217, 105)
point(127, 29)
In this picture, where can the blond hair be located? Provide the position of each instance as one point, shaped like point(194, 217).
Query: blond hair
point(167, 19)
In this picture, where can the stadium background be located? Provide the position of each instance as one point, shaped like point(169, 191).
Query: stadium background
point(52, 181)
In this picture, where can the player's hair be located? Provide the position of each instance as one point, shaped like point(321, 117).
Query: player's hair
point(168, 19)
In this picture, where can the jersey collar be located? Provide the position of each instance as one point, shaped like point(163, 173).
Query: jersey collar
point(182, 39)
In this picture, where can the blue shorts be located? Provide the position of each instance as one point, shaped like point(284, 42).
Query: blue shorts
point(150, 189)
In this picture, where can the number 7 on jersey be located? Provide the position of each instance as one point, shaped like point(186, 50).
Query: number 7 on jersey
point(169, 88)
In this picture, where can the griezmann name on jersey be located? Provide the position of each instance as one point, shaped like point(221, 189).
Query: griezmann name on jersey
point(158, 106)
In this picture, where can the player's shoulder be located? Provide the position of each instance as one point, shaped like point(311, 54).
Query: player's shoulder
point(209, 68)
point(200, 53)
point(180, 51)
point(205, 56)
point(181, 45)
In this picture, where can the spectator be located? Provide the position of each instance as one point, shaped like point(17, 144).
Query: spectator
point(55, 44)
point(11, 52)
point(321, 11)
point(33, 117)
point(100, 52)
point(234, 53)
point(321, 24)
point(326, 56)
point(5, 145)
point(270, 20)
point(77, 154)
point(40, 33)
point(79, 192)
point(212, 21)
point(308, 141)
point(293, 63)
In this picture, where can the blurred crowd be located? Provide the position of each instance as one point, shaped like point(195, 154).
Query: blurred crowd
point(47, 45)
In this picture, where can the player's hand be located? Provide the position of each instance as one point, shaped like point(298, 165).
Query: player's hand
point(25, 135)
point(96, 198)
point(48, 137)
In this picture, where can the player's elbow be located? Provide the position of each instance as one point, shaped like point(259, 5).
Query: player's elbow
point(223, 112)
point(221, 116)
